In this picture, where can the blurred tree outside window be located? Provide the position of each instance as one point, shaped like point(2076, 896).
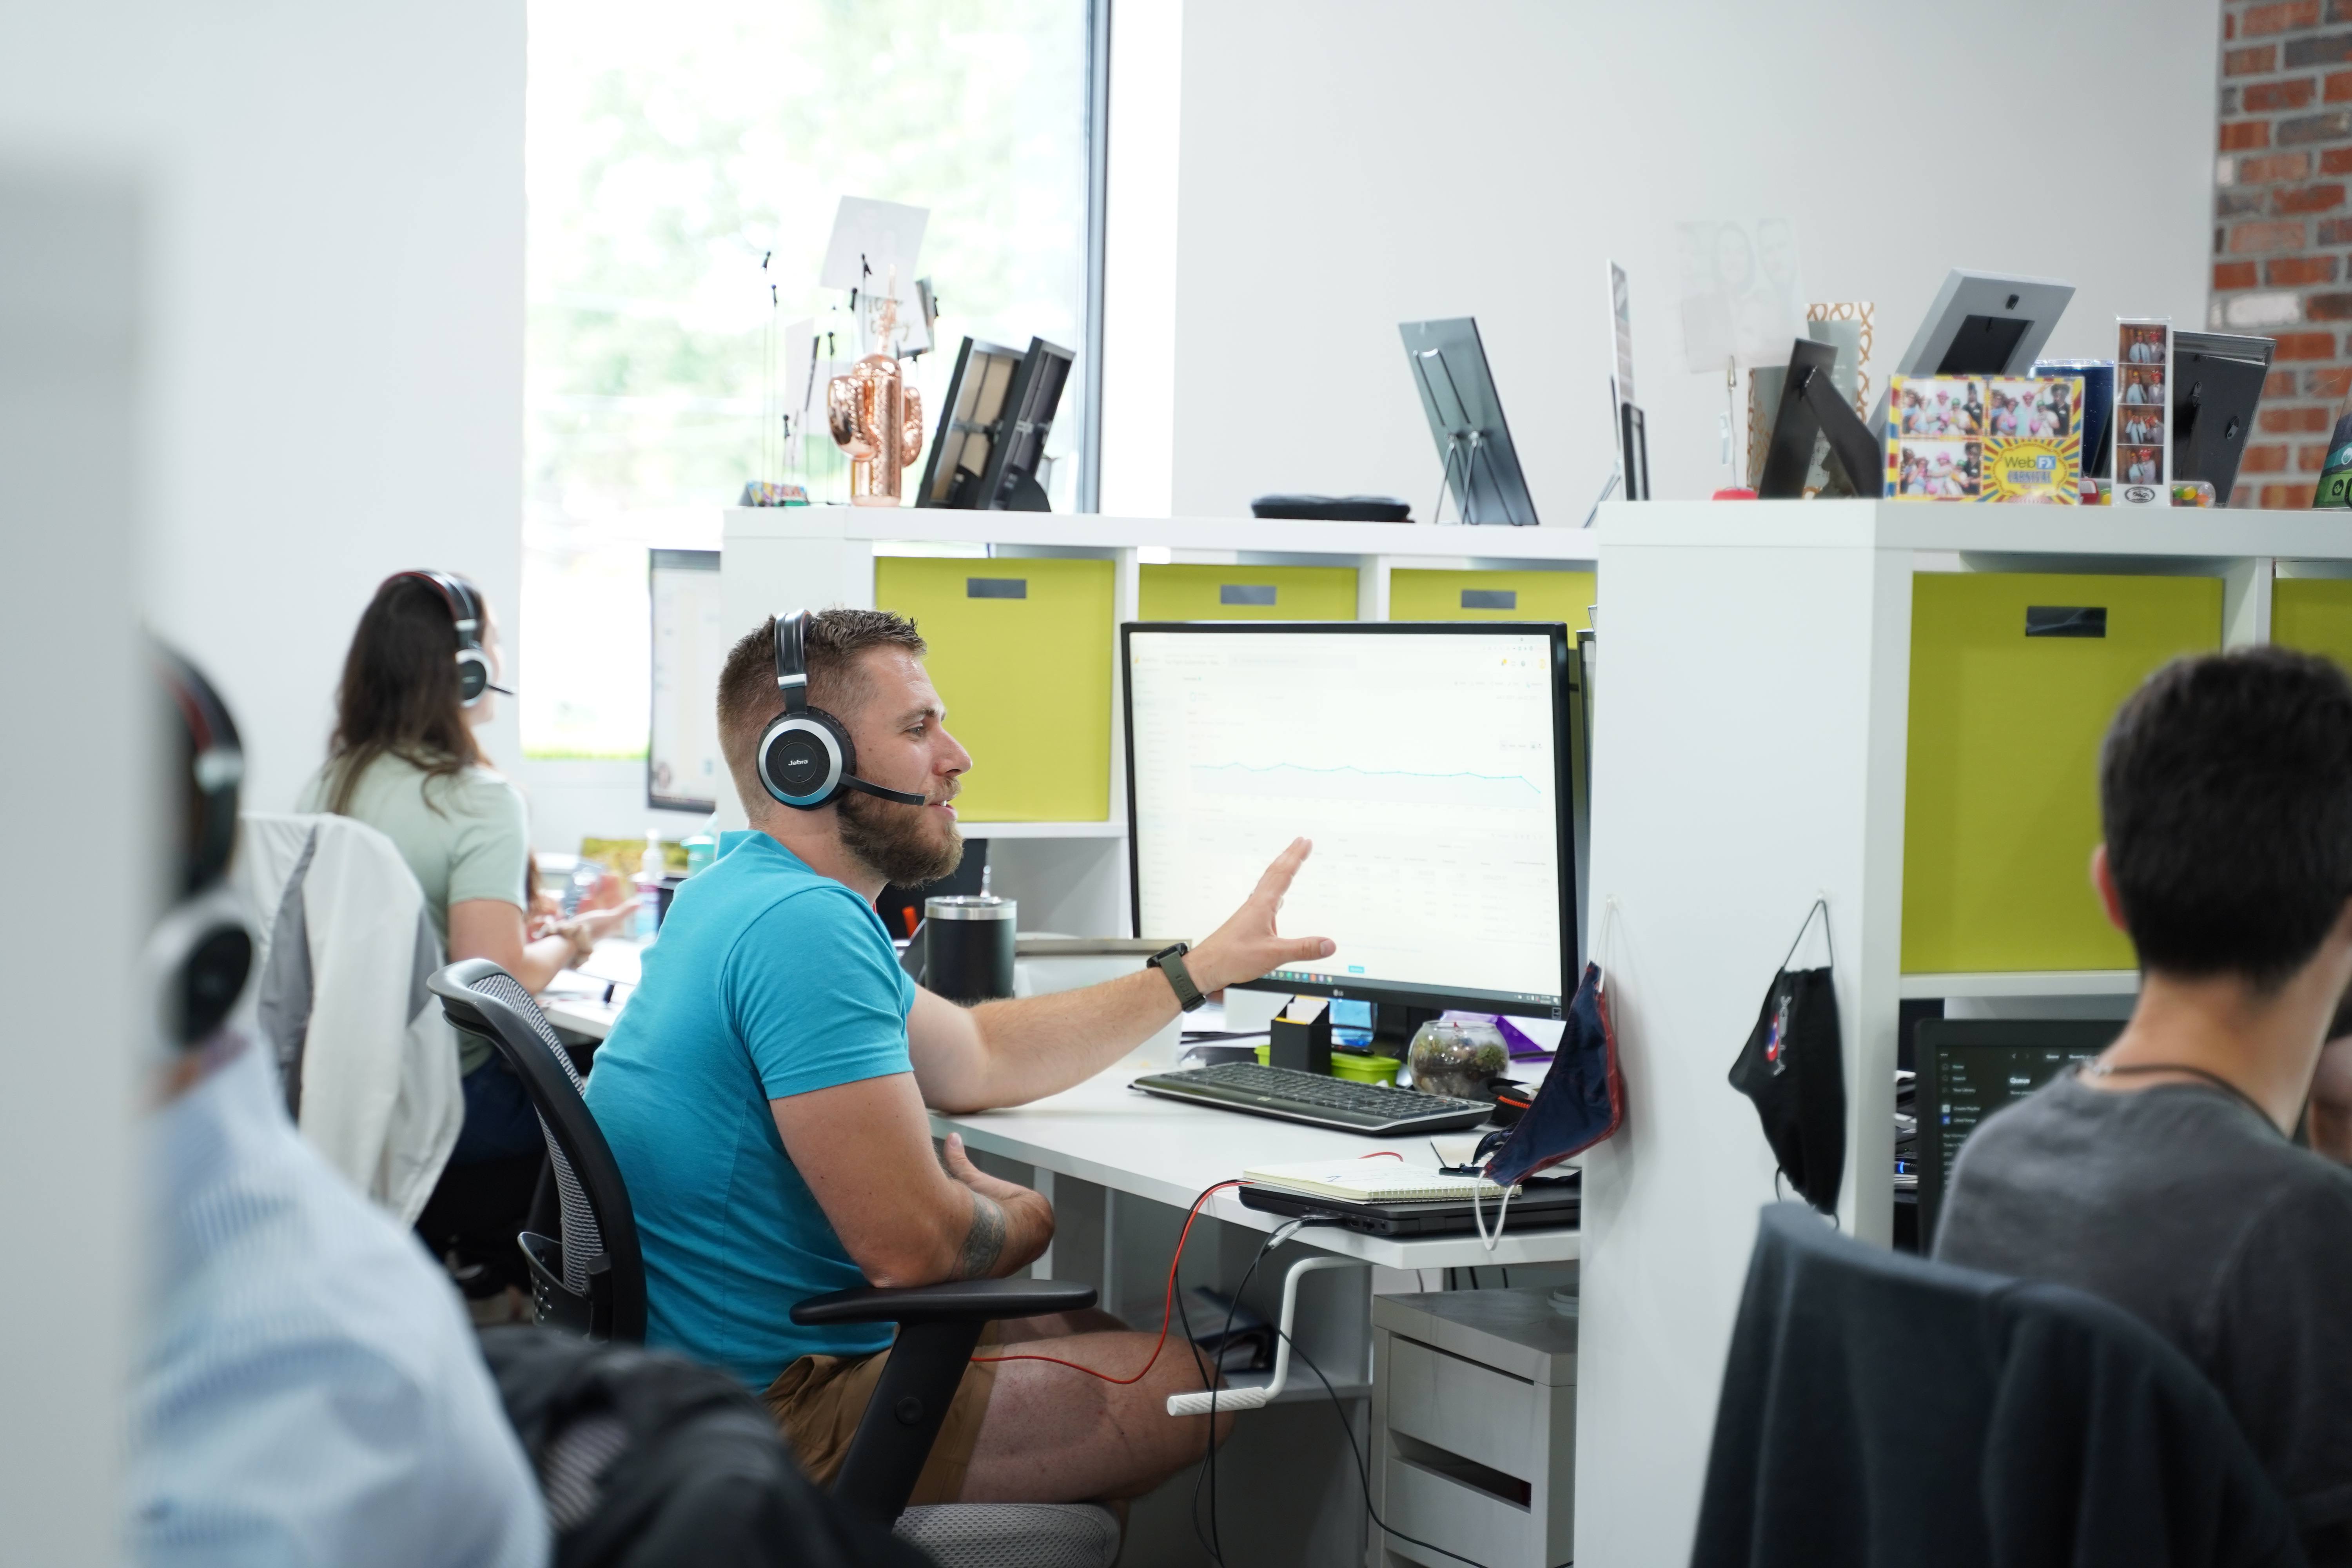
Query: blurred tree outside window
point(669, 149)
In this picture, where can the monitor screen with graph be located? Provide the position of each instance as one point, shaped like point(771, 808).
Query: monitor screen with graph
point(1428, 761)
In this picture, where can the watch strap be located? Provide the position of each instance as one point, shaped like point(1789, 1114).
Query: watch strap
point(1169, 962)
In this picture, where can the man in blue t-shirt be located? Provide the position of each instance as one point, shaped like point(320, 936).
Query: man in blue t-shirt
point(765, 1095)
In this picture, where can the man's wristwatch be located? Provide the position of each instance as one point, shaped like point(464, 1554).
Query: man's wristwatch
point(1169, 962)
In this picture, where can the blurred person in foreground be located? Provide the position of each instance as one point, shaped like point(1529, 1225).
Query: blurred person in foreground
point(308, 1391)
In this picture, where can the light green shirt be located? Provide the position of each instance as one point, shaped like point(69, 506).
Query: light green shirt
point(464, 836)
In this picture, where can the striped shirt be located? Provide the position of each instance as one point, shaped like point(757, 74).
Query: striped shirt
point(311, 1390)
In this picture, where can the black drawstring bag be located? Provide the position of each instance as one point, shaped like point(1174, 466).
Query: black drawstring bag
point(1793, 1067)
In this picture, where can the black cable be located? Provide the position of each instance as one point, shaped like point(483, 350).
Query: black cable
point(1209, 1464)
point(1209, 1459)
point(1363, 1472)
point(1506, 1277)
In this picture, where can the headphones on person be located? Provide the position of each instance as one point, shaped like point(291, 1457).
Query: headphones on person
point(806, 759)
point(465, 613)
point(200, 954)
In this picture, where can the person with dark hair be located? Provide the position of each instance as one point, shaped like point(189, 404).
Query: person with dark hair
point(2168, 1175)
point(764, 1096)
point(403, 760)
point(308, 1389)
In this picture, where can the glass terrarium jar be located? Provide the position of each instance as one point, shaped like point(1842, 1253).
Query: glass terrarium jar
point(1456, 1057)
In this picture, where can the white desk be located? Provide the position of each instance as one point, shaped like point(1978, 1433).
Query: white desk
point(1104, 1132)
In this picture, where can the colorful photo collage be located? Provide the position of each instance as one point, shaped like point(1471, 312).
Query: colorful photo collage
point(2143, 349)
point(1984, 438)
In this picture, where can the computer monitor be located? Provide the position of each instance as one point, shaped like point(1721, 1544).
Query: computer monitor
point(1981, 323)
point(991, 432)
point(684, 771)
point(1465, 419)
point(1428, 761)
point(2216, 383)
point(1969, 1068)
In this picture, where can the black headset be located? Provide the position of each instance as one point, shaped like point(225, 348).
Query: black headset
point(200, 952)
point(806, 758)
point(466, 614)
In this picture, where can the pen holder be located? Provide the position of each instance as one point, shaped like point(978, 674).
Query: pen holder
point(1305, 1047)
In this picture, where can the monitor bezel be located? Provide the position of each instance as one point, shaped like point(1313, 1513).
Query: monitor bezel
point(1564, 837)
point(1937, 1036)
point(658, 560)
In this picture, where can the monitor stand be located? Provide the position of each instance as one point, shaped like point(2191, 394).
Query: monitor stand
point(1394, 1024)
point(1455, 443)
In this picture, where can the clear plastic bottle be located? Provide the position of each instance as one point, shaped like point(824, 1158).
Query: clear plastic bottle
point(649, 879)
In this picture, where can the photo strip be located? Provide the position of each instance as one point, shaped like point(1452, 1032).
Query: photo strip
point(2143, 416)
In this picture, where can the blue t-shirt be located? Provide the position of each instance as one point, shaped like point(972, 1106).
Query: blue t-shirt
point(769, 981)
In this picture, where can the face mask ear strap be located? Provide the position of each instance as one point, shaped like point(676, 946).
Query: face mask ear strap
point(792, 660)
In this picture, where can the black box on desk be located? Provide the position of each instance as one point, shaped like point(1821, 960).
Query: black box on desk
point(1303, 1045)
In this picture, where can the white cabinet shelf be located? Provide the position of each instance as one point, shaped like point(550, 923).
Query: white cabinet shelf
point(2024, 982)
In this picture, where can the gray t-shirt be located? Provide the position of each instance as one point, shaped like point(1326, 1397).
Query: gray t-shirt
point(2181, 1204)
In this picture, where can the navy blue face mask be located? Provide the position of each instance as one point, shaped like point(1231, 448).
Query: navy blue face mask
point(1582, 1099)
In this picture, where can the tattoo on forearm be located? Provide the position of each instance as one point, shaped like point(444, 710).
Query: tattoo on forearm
point(984, 1242)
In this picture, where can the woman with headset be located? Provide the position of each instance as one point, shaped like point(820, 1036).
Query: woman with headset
point(416, 683)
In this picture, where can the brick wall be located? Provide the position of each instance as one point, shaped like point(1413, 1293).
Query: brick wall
point(2283, 227)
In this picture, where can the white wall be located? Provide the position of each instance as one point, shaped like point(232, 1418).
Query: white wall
point(335, 295)
point(1349, 165)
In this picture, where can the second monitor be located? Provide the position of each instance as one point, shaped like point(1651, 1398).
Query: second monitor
point(1427, 760)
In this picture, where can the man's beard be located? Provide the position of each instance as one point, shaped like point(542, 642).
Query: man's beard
point(899, 841)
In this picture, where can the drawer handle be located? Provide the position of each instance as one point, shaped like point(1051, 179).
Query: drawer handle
point(1461, 1469)
point(996, 587)
point(1490, 598)
point(1258, 593)
point(2066, 620)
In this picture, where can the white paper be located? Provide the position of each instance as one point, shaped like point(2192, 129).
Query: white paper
point(875, 236)
point(1742, 296)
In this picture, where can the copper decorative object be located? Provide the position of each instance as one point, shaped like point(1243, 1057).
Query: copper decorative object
point(877, 417)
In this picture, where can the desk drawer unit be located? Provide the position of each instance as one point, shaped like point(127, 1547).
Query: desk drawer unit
point(2014, 680)
point(1021, 651)
point(1419, 594)
point(1182, 592)
point(1474, 1426)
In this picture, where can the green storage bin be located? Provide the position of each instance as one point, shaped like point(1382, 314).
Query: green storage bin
point(1021, 651)
point(2001, 798)
point(2315, 615)
point(1420, 594)
point(1353, 1067)
point(1189, 593)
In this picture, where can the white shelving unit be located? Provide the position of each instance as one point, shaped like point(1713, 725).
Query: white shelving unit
point(1752, 757)
point(1073, 876)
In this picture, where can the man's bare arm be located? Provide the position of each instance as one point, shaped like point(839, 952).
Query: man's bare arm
point(1009, 1052)
point(905, 1218)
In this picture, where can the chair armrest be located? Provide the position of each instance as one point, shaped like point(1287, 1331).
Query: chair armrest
point(965, 1300)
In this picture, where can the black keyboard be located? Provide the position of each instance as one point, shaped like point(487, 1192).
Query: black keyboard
point(1294, 1096)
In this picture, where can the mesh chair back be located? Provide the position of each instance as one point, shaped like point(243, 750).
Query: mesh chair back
point(596, 1281)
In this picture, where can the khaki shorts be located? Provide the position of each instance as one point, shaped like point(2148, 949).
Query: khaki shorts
point(818, 1401)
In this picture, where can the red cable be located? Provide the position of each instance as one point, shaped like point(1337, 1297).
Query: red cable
point(1168, 1303)
point(1167, 1307)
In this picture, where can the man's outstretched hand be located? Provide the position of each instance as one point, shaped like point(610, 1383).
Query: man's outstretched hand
point(1247, 945)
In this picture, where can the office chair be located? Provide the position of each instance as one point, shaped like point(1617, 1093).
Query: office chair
point(593, 1283)
point(1879, 1407)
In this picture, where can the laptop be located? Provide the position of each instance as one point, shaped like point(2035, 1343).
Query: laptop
point(1970, 1067)
point(1540, 1205)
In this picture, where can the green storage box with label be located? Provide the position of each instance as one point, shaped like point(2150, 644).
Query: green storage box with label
point(2014, 681)
point(1420, 594)
point(2314, 614)
point(1021, 652)
point(1184, 592)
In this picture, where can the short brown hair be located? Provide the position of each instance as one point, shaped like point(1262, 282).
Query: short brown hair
point(747, 686)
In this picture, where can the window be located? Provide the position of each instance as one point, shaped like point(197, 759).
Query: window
point(669, 149)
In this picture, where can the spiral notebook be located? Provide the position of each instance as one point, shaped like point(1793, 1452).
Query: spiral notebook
point(1372, 1181)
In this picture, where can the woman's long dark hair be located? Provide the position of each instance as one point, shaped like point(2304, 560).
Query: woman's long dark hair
point(399, 692)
